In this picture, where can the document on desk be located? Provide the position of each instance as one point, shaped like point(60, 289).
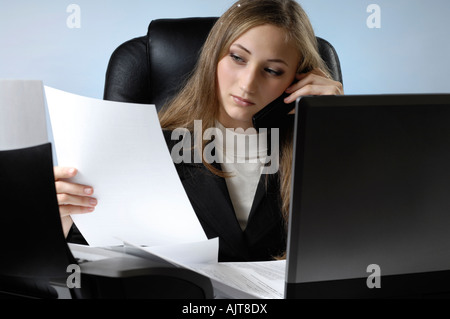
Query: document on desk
point(119, 150)
point(231, 280)
point(246, 280)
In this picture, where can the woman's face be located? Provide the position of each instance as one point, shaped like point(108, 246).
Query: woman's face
point(258, 68)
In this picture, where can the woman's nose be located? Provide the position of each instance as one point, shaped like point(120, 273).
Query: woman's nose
point(248, 81)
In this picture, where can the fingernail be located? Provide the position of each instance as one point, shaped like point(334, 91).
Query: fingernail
point(90, 209)
point(88, 191)
point(71, 171)
point(93, 201)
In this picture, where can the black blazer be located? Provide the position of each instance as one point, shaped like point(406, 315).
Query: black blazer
point(265, 235)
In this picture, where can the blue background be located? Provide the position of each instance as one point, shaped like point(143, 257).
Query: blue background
point(408, 54)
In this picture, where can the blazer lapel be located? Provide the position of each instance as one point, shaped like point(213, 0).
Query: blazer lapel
point(265, 211)
point(211, 201)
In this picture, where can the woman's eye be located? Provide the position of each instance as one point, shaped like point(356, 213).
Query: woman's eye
point(273, 72)
point(236, 58)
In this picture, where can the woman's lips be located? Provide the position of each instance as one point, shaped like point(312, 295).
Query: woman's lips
point(242, 102)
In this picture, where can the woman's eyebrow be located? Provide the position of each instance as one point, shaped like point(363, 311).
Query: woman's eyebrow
point(242, 47)
point(278, 61)
point(249, 52)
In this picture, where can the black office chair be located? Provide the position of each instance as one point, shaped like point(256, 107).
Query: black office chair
point(151, 69)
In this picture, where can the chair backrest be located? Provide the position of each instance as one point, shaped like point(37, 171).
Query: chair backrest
point(151, 69)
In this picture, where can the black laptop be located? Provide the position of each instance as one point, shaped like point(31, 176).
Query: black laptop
point(370, 207)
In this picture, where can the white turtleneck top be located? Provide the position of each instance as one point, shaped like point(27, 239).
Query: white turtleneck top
point(244, 160)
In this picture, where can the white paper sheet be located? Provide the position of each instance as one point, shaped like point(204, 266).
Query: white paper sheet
point(246, 280)
point(119, 149)
point(231, 280)
point(22, 114)
point(202, 252)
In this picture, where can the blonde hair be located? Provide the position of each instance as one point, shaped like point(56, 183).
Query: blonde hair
point(199, 99)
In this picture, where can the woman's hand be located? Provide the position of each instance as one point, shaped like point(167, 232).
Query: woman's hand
point(314, 82)
point(72, 198)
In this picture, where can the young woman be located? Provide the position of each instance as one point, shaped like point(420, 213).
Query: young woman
point(256, 51)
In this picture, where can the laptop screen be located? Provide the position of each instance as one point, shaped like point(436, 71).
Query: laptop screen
point(370, 196)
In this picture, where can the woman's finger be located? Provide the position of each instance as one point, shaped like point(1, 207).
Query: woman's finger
point(313, 79)
point(67, 210)
point(67, 199)
point(64, 172)
point(313, 83)
point(316, 89)
point(72, 188)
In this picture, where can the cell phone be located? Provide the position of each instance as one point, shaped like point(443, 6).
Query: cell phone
point(274, 115)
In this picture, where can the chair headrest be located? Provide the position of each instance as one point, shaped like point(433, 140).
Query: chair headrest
point(173, 48)
point(153, 68)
